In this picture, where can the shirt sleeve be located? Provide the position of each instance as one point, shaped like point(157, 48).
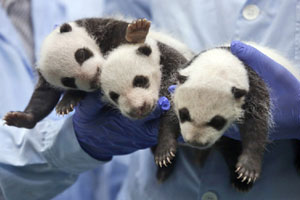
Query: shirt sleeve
point(42, 161)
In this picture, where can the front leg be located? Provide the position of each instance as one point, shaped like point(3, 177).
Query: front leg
point(254, 134)
point(70, 99)
point(231, 149)
point(42, 102)
point(137, 31)
point(167, 139)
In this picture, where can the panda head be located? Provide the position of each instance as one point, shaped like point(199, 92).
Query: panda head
point(71, 59)
point(130, 79)
point(205, 102)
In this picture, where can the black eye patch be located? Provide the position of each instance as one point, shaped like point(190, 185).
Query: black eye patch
point(217, 122)
point(114, 96)
point(184, 115)
point(68, 82)
point(141, 81)
point(65, 28)
point(82, 55)
point(181, 79)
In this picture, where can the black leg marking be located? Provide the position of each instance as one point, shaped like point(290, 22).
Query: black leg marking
point(70, 99)
point(167, 143)
point(42, 102)
point(231, 150)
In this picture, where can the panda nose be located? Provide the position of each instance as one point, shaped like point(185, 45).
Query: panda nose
point(141, 111)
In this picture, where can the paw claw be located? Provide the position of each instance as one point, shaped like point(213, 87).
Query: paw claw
point(240, 175)
point(165, 163)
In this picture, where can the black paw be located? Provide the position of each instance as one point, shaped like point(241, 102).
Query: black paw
point(248, 169)
point(137, 31)
point(241, 186)
point(66, 105)
point(19, 119)
point(165, 153)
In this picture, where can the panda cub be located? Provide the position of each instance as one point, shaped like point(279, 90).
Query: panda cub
point(217, 89)
point(133, 78)
point(71, 62)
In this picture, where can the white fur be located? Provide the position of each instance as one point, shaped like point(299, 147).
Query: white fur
point(207, 92)
point(119, 70)
point(57, 59)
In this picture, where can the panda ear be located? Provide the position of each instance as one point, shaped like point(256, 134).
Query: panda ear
point(144, 50)
point(65, 28)
point(238, 93)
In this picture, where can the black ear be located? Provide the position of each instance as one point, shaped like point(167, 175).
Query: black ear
point(181, 78)
point(238, 93)
point(144, 50)
point(65, 28)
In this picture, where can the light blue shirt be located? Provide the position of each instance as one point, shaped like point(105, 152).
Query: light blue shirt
point(40, 163)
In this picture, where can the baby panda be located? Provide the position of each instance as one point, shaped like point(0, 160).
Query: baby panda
point(71, 61)
point(215, 90)
point(133, 78)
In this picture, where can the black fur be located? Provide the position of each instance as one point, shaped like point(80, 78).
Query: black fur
point(144, 50)
point(65, 28)
point(37, 108)
point(69, 82)
point(108, 34)
point(82, 55)
point(114, 96)
point(218, 122)
point(184, 115)
point(169, 130)
point(238, 93)
point(141, 81)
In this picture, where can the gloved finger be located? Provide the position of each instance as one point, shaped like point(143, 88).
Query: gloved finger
point(256, 59)
point(91, 104)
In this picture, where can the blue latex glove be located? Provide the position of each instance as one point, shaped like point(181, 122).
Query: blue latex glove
point(284, 89)
point(103, 132)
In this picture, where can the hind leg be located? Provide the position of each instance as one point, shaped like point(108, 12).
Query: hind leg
point(231, 150)
point(19, 119)
point(42, 102)
point(70, 99)
point(137, 31)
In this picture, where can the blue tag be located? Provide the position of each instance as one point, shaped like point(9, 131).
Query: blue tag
point(172, 88)
point(164, 103)
point(55, 25)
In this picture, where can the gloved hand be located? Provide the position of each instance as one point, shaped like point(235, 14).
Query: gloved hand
point(103, 132)
point(283, 86)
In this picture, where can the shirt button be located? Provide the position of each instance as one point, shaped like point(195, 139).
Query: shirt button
point(251, 12)
point(209, 196)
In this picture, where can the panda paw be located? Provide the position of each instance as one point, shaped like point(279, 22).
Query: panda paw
point(165, 153)
point(64, 108)
point(247, 169)
point(137, 31)
point(19, 119)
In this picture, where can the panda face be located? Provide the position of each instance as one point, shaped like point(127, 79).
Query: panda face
point(209, 97)
point(71, 59)
point(130, 79)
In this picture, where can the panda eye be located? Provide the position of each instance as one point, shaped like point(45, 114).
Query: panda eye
point(141, 81)
point(181, 79)
point(184, 115)
point(217, 122)
point(114, 96)
point(82, 55)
